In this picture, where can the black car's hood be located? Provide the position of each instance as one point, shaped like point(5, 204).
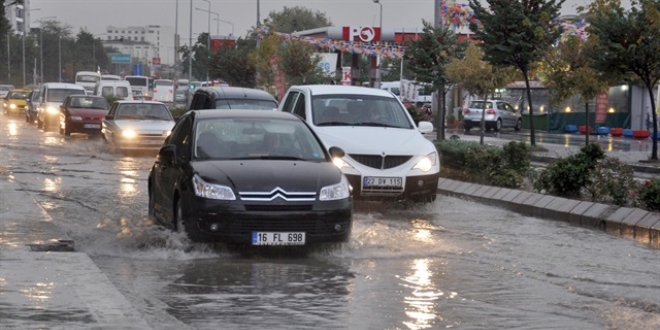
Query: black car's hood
point(267, 175)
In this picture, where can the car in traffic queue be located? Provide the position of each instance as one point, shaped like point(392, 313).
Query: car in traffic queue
point(387, 156)
point(82, 114)
point(249, 177)
point(499, 114)
point(5, 89)
point(51, 96)
point(225, 97)
point(15, 102)
point(31, 111)
point(137, 125)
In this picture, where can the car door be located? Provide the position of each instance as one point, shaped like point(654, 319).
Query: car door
point(300, 108)
point(505, 115)
point(515, 115)
point(167, 175)
point(107, 124)
point(290, 101)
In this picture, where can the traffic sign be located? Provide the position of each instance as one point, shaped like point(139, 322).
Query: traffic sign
point(155, 61)
point(120, 58)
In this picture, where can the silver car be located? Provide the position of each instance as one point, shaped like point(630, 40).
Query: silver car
point(137, 125)
point(499, 114)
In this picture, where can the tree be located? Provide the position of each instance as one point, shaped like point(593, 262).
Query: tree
point(517, 33)
point(426, 59)
point(292, 19)
point(260, 59)
point(299, 64)
point(479, 77)
point(233, 64)
point(628, 42)
point(567, 71)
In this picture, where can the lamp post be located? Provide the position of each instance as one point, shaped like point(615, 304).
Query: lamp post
point(60, 56)
point(377, 85)
point(176, 34)
point(208, 39)
point(41, 46)
point(228, 22)
point(23, 38)
point(190, 45)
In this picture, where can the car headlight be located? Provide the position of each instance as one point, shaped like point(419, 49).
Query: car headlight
point(340, 163)
point(337, 191)
point(426, 163)
point(212, 191)
point(129, 134)
point(76, 118)
point(12, 106)
point(166, 133)
point(52, 109)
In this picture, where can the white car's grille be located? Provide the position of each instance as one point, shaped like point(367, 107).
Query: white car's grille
point(380, 162)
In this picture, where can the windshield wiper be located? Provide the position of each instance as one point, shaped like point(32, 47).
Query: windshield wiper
point(268, 157)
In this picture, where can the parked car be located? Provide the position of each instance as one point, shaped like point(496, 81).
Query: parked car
point(137, 125)
point(83, 114)
point(232, 98)
point(249, 177)
point(31, 112)
point(387, 156)
point(5, 89)
point(499, 114)
point(51, 96)
point(15, 102)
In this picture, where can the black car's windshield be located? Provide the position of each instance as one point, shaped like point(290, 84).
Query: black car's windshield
point(143, 111)
point(256, 138)
point(245, 104)
point(359, 110)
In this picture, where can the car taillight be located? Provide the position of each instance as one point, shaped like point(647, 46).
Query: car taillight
point(490, 112)
point(155, 91)
point(466, 111)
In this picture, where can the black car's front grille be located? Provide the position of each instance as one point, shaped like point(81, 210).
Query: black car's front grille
point(278, 208)
point(380, 162)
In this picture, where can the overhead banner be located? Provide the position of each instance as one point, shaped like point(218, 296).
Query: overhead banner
point(328, 63)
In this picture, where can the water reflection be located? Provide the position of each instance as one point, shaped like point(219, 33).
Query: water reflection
point(422, 302)
point(13, 129)
point(127, 188)
point(52, 185)
point(39, 294)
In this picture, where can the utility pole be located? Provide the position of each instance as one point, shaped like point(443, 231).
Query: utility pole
point(176, 34)
point(190, 76)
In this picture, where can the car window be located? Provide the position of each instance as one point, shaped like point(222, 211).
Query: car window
point(245, 104)
point(359, 110)
point(58, 95)
point(290, 101)
point(143, 111)
point(18, 95)
point(255, 138)
point(480, 105)
point(300, 107)
point(89, 103)
point(181, 137)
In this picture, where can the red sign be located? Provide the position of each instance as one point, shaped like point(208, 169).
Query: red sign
point(601, 107)
point(155, 61)
point(219, 43)
point(361, 33)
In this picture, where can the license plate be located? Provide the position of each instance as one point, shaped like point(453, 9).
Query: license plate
point(151, 142)
point(271, 238)
point(91, 126)
point(374, 181)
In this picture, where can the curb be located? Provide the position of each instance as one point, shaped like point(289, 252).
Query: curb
point(639, 224)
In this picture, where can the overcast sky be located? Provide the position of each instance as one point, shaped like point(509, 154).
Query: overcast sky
point(96, 15)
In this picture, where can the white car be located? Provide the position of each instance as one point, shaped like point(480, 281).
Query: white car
point(137, 125)
point(499, 114)
point(387, 156)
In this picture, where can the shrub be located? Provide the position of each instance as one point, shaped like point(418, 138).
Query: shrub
point(516, 156)
point(568, 176)
point(612, 181)
point(416, 114)
point(178, 112)
point(483, 162)
point(649, 194)
point(453, 152)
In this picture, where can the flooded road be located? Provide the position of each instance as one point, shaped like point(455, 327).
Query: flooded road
point(450, 264)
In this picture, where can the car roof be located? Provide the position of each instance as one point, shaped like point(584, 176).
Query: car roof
point(341, 89)
point(57, 85)
point(228, 92)
point(138, 102)
point(86, 96)
point(222, 113)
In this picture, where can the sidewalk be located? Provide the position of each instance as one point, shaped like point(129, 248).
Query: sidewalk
point(51, 290)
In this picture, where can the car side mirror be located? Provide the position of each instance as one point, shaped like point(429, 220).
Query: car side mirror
point(336, 152)
point(167, 154)
point(425, 127)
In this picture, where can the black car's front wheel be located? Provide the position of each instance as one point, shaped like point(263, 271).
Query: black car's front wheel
point(185, 226)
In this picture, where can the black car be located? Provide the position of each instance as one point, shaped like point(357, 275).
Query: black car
point(249, 177)
point(31, 112)
point(226, 97)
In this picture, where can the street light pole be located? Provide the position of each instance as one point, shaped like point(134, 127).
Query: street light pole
point(228, 22)
point(60, 52)
point(377, 84)
point(190, 45)
point(208, 41)
point(41, 47)
point(176, 33)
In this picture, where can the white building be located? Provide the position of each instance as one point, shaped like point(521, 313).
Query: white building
point(18, 17)
point(134, 37)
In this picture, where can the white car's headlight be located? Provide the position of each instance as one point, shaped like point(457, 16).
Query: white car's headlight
point(212, 191)
point(340, 163)
point(337, 191)
point(52, 109)
point(426, 163)
point(129, 133)
point(12, 106)
point(76, 118)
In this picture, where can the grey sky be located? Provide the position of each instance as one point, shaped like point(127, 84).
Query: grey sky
point(96, 15)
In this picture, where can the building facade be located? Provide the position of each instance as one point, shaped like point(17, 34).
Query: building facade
point(135, 38)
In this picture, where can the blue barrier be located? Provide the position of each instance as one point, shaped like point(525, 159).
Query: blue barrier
point(628, 133)
point(657, 137)
point(570, 128)
point(603, 130)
